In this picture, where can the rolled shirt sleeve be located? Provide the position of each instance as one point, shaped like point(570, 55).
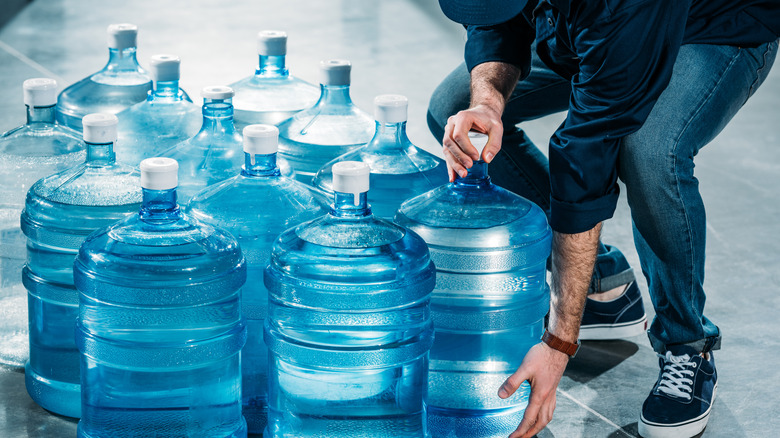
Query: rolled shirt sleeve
point(626, 57)
point(508, 42)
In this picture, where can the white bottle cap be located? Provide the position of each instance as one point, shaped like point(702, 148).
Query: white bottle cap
point(40, 92)
point(272, 43)
point(351, 177)
point(217, 92)
point(335, 72)
point(478, 140)
point(261, 139)
point(122, 36)
point(390, 108)
point(165, 68)
point(159, 173)
point(99, 128)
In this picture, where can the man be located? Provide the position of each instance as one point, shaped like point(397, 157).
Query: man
point(650, 82)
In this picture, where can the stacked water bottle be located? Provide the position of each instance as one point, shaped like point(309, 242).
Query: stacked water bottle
point(182, 279)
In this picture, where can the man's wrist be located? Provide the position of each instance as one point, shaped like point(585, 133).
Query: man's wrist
point(568, 348)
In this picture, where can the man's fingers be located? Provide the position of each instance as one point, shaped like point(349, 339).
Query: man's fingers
point(460, 134)
point(513, 382)
point(493, 145)
point(451, 171)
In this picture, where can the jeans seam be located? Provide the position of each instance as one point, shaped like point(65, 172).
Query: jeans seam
point(676, 175)
point(754, 86)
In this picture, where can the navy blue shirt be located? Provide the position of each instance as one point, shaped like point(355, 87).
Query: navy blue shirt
point(619, 56)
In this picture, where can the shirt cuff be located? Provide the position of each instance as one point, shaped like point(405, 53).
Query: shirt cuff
point(573, 218)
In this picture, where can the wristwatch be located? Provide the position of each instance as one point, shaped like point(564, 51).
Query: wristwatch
point(559, 344)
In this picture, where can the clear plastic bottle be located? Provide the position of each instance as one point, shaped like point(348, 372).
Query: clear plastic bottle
point(256, 206)
point(215, 153)
point(165, 118)
point(399, 169)
point(271, 95)
point(119, 85)
point(332, 127)
point(348, 328)
point(61, 210)
point(159, 327)
point(490, 247)
point(27, 153)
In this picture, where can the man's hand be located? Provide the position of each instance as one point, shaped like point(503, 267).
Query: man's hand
point(458, 151)
point(543, 368)
point(491, 85)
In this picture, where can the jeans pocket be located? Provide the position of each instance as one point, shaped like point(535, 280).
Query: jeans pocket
point(762, 72)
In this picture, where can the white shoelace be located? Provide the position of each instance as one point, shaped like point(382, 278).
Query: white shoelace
point(673, 380)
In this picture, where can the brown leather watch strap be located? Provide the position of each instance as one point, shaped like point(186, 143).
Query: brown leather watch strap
point(559, 344)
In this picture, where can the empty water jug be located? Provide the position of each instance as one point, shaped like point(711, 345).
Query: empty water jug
point(271, 95)
point(348, 326)
point(256, 206)
point(120, 84)
point(399, 169)
point(165, 118)
point(332, 127)
point(490, 247)
point(27, 153)
point(61, 210)
point(159, 327)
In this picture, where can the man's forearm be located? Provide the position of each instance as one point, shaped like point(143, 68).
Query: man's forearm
point(492, 83)
point(572, 268)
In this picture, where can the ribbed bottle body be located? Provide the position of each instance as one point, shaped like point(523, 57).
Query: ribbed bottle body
point(27, 154)
point(348, 330)
point(490, 249)
point(255, 208)
point(60, 212)
point(160, 329)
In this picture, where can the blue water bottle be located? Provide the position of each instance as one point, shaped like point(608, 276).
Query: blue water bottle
point(118, 85)
point(256, 206)
point(348, 326)
point(36, 149)
point(165, 118)
point(272, 94)
point(332, 127)
point(159, 327)
point(490, 247)
point(61, 210)
point(399, 169)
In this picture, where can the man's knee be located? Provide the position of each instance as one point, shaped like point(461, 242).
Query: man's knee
point(452, 95)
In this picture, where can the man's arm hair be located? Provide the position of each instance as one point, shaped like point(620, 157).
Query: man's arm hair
point(492, 83)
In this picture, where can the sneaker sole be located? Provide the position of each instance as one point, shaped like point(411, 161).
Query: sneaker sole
point(603, 332)
point(689, 428)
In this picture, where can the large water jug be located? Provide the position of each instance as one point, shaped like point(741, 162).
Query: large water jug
point(490, 247)
point(165, 118)
point(332, 127)
point(120, 84)
point(159, 327)
point(27, 153)
point(61, 210)
point(271, 95)
point(215, 153)
point(348, 326)
point(399, 169)
point(256, 206)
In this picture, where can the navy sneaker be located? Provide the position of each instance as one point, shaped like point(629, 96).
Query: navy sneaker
point(622, 317)
point(681, 400)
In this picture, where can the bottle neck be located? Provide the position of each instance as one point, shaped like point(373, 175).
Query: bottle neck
point(100, 154)
point(159, 205)
point(165, 90)
point(40, 115)
point(272, 67)
point(350, 205)
point(334, 95)
point(218, 116)
point(260, 165)
point(389, 136)
point(477, 176)
point(122, 60)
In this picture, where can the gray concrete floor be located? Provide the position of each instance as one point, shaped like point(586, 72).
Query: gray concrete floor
point(406, 47)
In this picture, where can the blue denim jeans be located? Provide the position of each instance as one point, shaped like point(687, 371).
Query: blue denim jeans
point(710, 83)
